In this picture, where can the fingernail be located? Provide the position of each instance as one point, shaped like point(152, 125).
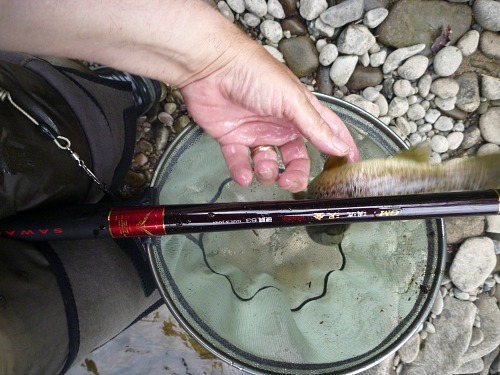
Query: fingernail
point(265, 174)
point(340, 146)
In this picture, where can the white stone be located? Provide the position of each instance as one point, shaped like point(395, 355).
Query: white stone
point(355, 40)
point(395, 58)
point(445, 104)
point(397, 107)
point(328, 54)
point(444, 124)
point(445, 88)
point(238, 6)
point(383, 106)
point(432, 115)
point(342, 69)
point(489, 124)
point(371, 94)
point(402, 88)
point(275, 9)
point(362, 103)
point(275, 53)
point(455, 140)
point(424, 85)
point(473, 263)
point(378, 58)
point(447, 61)
point(375, 17)
point(439, 144)
point(488, 149)
point(257, 7)
point(490, 87)
point(271, 30)
point(323, 29)
point(225, 10)
point(414, 67)
point(311, 9)
point(468, 42)
point(251, 20)
point(415, 112)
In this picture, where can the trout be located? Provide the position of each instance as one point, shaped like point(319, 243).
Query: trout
point(407, 172)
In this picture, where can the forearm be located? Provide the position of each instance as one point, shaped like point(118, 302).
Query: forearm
point(176, 41)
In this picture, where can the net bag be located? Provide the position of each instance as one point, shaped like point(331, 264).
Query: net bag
point(273, 300)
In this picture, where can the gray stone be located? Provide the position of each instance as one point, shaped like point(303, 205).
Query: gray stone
point(237, 6)
point(323, 29)
point(274, 53)
point(311, 9)
point(488, 149)
point(469, 42)
point(251, 20)
point(225, 10)
point(490, 87)
point(415, 112)
point(460, 228)
point(402, 28)
point(489, 124)
point(395, 58)
point(397, 107)
point(468, 98)
point(472, 136)
point(378, 58)
point(443, 350)
point(300, 54)
point(402, 88)
point(409, 351)
point(275, 9)
point(424, 85)
point(257, 7)
point(325, 84)
point(490, 325)
point(477, 336)
point(489, 44)
point(271, 30)
point(432, 115)
point(445, 88)
point(382, 104)
point(487, 14)
point(355, 40)
point(328, 54)
point(342, 69)
point(375, 17)
point(447, 61)
point(437, 307)
point(472, 264)
point(470, 367)
point(362, 103)
point(493, 224)
point(445, 104)
point(414, 67)
point(343, 13)
point(443, 124)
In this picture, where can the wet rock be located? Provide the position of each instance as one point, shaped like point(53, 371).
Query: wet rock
point(343, 13)
point(487, 14)
point(490, 87)
point(294, 25)
point(355, 40)
point(489, 44)
point(443, 350)
point(342, 69)
point(489, 124)
point(300, 54)
point(447, 61)
point(289, 7)
point(323, 81)
point(468, 98)
point(473, 263)
point(401, 28)
point(311, 9)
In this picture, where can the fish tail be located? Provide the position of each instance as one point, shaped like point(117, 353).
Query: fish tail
point(479, 173)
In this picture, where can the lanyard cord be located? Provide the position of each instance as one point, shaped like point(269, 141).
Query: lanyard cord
point(61, 142)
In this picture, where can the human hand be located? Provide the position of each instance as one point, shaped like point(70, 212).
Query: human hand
point(255, 100)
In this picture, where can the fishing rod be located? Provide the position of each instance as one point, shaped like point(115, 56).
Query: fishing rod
point(100, 221)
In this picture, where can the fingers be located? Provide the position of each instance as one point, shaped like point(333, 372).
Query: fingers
point(238, 163)
point(265, 165)
point(297, 166)
point(324, 129)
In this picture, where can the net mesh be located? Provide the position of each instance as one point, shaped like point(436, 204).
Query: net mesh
point(274, 300)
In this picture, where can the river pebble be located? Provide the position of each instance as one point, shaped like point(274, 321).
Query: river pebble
point(394, 59)
point(447, 61)
point(355, 40)
point(414, 67)
point(343, 13)
point(375, 17)
point(342, 69)
point(487, 14)
point(445, 88)
point(489, 124)
point(311, 9)
point(469, 42)
point(473, 263)
point(490, 87)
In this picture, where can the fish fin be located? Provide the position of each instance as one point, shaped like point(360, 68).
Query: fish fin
point(419, 153)
point(334, 162)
